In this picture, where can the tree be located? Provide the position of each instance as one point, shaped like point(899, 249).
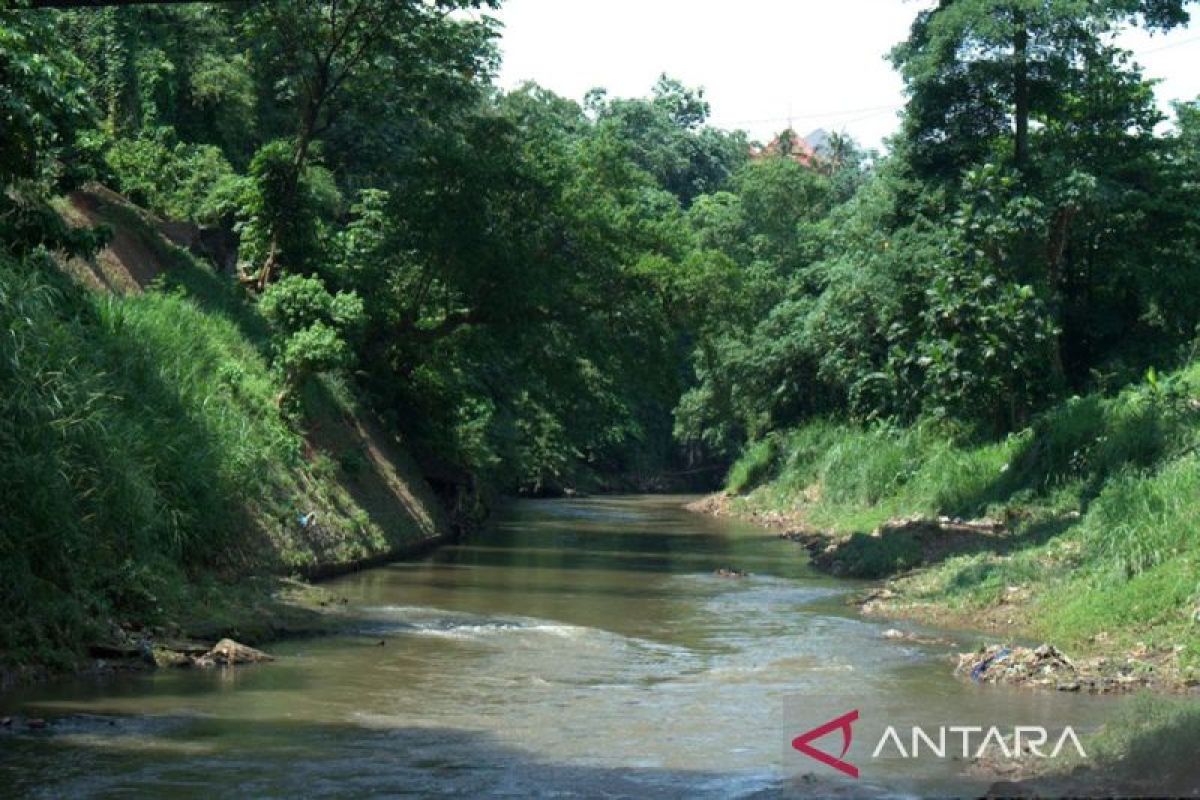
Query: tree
point(45, 148)
point(665, 135)
point(980, 70)
point(981, 73)
point(314, 50)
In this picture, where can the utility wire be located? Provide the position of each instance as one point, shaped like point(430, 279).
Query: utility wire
point(1170, 46)
point(877, 110)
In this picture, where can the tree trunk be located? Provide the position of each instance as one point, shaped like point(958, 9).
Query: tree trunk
point(308, 125)
point(1021, 100)
point(1060, 229)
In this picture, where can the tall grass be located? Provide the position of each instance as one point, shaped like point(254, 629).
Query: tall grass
point(1065, 460)
point(129, 430)
point(1126, 564)
point(141, 448)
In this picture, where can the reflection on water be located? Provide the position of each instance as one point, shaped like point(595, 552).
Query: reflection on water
point(579, 648)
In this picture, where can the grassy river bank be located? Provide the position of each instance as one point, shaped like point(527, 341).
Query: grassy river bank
point(1079, 531)
point(154, 488)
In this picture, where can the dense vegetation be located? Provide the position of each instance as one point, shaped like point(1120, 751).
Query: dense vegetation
point(1004, 327)
point(536, 294)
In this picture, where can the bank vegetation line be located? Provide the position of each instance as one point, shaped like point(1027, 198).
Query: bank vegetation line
point(1078, 530)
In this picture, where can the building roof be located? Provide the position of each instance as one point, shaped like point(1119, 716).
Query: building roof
point(801, 149)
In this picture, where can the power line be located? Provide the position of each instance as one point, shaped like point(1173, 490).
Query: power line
point(875, 111)
point(1170, 46)
point(872, 111)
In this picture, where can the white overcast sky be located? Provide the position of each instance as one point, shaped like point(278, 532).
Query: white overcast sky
point(819, 62)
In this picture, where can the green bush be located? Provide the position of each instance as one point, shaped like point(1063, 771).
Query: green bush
point(297, 302)
point(317, 348)
point(312, 326)
point(177, 179)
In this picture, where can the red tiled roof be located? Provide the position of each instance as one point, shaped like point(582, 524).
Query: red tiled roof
point(801, 151)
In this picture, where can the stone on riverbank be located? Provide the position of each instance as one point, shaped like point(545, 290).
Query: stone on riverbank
point(227, 652)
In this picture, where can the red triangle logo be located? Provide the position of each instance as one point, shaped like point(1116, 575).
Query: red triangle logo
point(844, 723)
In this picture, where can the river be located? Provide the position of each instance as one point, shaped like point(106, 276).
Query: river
point(576, 648)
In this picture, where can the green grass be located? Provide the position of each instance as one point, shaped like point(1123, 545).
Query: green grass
point(142, 454)
point(754, 466)
point(1153, 741)
point(1123, 564)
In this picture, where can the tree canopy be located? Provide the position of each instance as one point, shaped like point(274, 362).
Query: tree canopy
point(544, 291)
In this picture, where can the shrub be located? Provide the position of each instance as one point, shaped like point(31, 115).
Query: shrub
point(314, 349)
point(312, 326)
point(176, 179)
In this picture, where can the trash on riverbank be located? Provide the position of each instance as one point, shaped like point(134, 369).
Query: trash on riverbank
point(1048, 667)
point(1045, 665)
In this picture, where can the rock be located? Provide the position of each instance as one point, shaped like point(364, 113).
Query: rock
point(167, 657)
point(6, 722)
point(228, 652)
point(36, 723)
point(187, 647)
point(908, 636)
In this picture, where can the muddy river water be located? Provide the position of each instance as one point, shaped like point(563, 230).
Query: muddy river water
point(577, 648)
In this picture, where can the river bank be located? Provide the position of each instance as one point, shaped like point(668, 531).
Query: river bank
point(1143, 751)
point(163, 491)
point(256, 610)
point(1078, 530)
point(908, 556)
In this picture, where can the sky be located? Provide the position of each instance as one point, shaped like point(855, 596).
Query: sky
point(817, 63)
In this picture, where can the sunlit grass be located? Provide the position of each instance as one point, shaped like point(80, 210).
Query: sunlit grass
point(1103, 495)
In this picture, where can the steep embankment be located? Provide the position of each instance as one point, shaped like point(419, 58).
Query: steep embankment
point(1083, 530)
point(145, 469)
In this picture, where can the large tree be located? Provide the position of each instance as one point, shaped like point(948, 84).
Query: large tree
point(1038, 87)
point(976, 70)
point(315, 50)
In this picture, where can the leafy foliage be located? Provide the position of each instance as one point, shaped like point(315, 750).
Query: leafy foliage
point(313, 326)
point(178, 180)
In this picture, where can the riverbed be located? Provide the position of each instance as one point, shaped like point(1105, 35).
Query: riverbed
point(582, 647)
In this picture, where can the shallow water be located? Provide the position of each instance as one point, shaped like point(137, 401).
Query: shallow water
point(578, 648)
